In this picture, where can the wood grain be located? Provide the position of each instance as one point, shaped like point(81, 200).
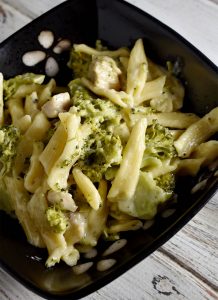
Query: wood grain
point(186, 267)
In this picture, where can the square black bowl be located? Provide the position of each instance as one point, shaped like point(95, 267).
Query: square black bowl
point(118, 24)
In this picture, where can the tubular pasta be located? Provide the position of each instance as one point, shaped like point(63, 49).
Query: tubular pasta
point(197, 133)
point(87, 188)
point(126, 179)
point(35, 174)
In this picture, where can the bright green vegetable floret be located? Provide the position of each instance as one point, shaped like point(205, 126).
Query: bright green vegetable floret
point(79, 63)
point(159, 142)
point(57, 219)
point(9, 137)
point(12, 85)
point(103, 148)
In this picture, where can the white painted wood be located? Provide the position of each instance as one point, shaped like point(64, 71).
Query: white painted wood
point(10, 20)
point(190, 259)
point(159, 277)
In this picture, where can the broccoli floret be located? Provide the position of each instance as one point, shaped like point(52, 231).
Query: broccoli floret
point(79, 63)
point(12, 85)
point(166, 182)
point(91, 109)
point(102, 148)
point(57, 219)
point(147, 197)
point(101, 151)
point(9, 137)
point(159, 142)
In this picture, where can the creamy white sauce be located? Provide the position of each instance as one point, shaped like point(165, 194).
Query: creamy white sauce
point(115, 247)
point(148, 224)
point(168, 212)
point(105, 264)
point(32, 58)
point(80, 269)
point(61, 46)
point(199, 186)
point(51, 67)
point(91, 253)
point(46, 39)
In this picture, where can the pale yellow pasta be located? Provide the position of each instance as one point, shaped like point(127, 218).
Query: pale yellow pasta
point(96, 220)
point(124, 225)
point(119, 98)
point(189, 166)
point(55, 242)
point(137, 70)
point(87, 188)
point(202, 156)
point(126, 179)
point(57, 178)
point(54, 148)
point(39, 128)
point(176, 120)
point(91, 51)
point(24, 123)
point(16, 110)
point(30, 106)
point(26, 89)
point(24, 151)
point(45, 92)
point(197, 133)
point(35, 174)
point(15, 187)
point(151, 90)
point(176, 133)
point(36, 132)
point(1, 100)
point(208, 151)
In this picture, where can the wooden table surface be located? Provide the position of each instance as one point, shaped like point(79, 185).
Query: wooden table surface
point(186, 267)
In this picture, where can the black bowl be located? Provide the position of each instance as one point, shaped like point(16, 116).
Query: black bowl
point(117, 24)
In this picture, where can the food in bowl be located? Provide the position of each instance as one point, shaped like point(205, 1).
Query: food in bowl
point(101, 155)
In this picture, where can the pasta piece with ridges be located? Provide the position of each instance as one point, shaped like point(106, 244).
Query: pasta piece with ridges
point(126, 179)
point(34, 176)
point(197, 133)
point(176, 120)
point(151, 90)
point(53, 149)
point(58, 175)
point(137, 70)
point(87, 188)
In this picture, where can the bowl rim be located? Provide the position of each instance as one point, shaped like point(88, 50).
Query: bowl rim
point(169, 232)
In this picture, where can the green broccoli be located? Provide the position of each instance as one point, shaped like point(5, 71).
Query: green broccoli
point(56, 219)
point(101, 151)
point(159, 142)
point(9, 137)
point(147, 197)
point(166, 182)
point(79, 63)
point(91, 109)
point(12, 85)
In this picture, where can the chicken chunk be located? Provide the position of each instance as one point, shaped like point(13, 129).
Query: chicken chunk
point(58, 103)
point(104, 72)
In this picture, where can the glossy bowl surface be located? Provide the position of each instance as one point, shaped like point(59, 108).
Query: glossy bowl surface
point(116, 23)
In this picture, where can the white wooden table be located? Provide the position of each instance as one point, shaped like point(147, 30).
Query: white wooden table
point(186, 267)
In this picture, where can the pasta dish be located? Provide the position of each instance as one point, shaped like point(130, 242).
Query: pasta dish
point(97, 157)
